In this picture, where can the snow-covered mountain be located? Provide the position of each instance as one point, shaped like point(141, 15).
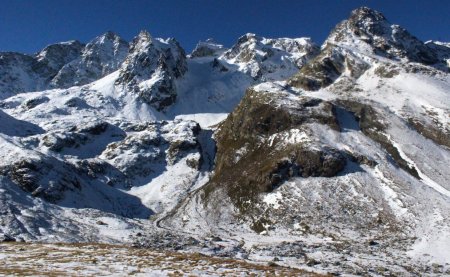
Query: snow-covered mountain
point(331, 158)
point(61, 65)
point(98, 58)
point(96, 139)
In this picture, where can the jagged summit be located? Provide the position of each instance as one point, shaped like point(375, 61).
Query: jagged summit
point(105, 38)
point(361, 42)
point(248, 37)
point(362, 21)
point(149, 68)
point(367, 29)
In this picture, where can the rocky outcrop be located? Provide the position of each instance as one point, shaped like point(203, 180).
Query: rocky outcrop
point(77, 136)
point(13, 66)
point(152, 147)
point(325, 68)
point(55, 56)
point(44, 177)
point(264, 143)
point(442, 51)
point(440, 136)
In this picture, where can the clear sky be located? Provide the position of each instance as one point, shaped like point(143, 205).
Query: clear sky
point(29, 25)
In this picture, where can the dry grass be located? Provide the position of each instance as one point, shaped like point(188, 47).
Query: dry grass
point(25, 259)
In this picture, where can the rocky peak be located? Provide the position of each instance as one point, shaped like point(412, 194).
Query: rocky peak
point(105, 40)
point(364, 23)
point(99, 57)
point(151, 67)
point(298, 46)
point(252, 47)
point(366, 15)
point(110, 35)
point(248, 37)
point(108, 48)
point(208, 48)
point(243, 50)
point(369, 31)
point(146, 54)
point(355, 43)
point(59, 54)
point(141, 41)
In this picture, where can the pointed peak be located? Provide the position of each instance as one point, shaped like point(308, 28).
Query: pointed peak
point(110, 35)
point(369, 21)
point(370, 32)
point(249, 35)
point(144, 34)
point(143, 39)
point(365, 24)
point(365, 12)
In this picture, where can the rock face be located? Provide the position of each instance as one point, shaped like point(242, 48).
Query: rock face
point(43, 178)
point(17, 74)
point(151, 68)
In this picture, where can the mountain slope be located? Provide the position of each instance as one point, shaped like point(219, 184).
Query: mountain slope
point(347, 153)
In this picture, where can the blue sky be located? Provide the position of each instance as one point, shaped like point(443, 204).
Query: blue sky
point(29, 25)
